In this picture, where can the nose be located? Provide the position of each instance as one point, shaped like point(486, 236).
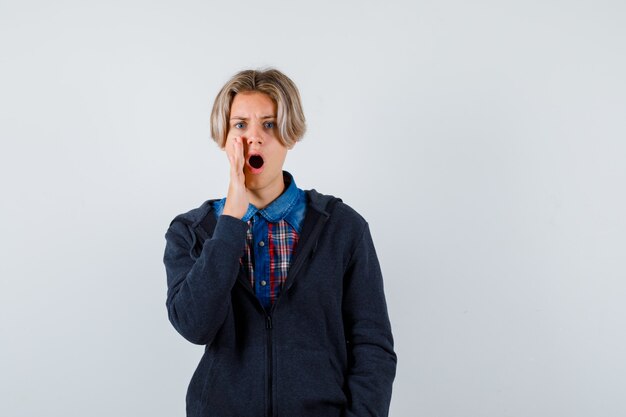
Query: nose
point(254, 139)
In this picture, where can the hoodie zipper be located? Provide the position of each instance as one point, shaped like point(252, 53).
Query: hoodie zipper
point(269, 356)
point(294, 270)
point(270, 371)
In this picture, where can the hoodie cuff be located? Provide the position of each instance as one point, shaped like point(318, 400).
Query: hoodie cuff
point(231, 230)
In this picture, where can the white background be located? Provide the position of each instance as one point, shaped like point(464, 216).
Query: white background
point(483, 141)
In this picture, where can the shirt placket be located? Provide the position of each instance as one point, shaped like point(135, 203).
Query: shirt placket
point(261, 259)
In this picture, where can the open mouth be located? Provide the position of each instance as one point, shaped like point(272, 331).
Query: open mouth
point(256, 161)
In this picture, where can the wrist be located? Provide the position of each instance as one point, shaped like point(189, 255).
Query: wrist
point(227, 211)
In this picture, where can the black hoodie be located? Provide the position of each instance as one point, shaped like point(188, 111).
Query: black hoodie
point(324, 349)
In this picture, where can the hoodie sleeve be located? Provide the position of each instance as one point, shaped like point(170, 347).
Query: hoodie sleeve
point(372, 365)
point(198, 290)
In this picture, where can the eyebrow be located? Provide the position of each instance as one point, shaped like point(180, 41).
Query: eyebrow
point(245, 118)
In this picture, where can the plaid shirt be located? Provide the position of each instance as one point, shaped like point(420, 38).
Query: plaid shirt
point(272, 237)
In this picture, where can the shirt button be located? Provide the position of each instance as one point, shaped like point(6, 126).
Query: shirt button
point(261, 243)
point(263, 283)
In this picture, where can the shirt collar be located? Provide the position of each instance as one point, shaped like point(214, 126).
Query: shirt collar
point(280, 208)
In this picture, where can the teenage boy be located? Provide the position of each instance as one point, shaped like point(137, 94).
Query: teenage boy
point(282, 285)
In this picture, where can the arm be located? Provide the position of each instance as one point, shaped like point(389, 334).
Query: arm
point(198, 291)
point(372, 365)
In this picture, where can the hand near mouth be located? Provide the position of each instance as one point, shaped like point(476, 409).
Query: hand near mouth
point(237, 199)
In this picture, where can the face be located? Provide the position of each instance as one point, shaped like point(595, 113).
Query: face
point(253, 118)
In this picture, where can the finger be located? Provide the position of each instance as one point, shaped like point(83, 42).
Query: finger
point(231, 149)
point(232, 157)
point(239, 154)
point(240, 160)
point(231, 161)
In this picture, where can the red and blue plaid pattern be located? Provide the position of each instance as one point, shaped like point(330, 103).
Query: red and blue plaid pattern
point(272, 236)
point(281, 242)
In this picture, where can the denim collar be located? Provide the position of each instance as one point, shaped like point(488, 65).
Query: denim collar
point(279, 209)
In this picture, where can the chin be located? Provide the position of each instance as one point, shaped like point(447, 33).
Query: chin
point(254, 181)
point(265, 178)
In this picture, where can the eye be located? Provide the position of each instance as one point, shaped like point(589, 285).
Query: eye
point(239, 125)
point(269, 125)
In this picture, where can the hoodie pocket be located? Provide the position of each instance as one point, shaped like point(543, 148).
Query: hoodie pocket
point(308, 384)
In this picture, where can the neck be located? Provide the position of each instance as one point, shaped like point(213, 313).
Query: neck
point(262, 197)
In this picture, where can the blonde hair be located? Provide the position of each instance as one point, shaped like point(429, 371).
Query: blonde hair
point(290, 121)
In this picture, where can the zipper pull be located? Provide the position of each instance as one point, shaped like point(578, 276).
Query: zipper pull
point(268, 322)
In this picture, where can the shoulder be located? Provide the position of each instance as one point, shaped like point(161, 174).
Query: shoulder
point(342, 215)
point(188, 230)
point(196, 215)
